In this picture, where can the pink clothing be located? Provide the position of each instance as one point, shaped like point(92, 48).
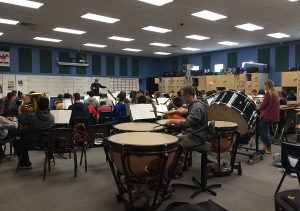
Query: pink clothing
point(270, 108)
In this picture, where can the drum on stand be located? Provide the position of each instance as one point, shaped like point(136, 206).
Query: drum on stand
point(224, 139)
point(169, 129)
point(233, 106)
point(228, 136)
point(138, 127)
point(143, 158)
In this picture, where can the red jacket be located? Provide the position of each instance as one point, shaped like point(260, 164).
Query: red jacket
point(270, 108)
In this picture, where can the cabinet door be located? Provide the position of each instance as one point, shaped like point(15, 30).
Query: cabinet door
point(289, 79)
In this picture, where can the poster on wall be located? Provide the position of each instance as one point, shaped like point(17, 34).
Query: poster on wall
point(11, 85)
point(4, 59)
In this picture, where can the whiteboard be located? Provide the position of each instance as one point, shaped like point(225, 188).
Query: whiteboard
point(54, 85)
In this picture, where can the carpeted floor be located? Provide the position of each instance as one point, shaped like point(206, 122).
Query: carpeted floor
point(95, 190)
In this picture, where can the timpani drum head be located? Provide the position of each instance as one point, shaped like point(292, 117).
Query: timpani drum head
point(142, 153)
point(143, 139)
point(138, 127)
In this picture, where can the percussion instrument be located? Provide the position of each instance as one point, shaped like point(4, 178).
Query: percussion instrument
point(138, 127)
point(233, 106)
point(142, 149)
point(210, 98)
point(228, 136)
point(142, 157)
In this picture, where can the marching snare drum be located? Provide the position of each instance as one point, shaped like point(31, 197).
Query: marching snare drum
point(138, 127)
point(233, 106)
point(140, 153)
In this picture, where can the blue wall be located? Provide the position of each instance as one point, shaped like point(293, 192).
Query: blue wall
point(244, 54)
point(149, 67)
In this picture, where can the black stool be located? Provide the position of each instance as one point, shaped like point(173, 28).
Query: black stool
point(202, 185)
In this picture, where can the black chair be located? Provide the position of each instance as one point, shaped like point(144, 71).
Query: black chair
point(290, 159)
point(59, 141)
point(105, 117)
point(94, 131)
point(81, 143)
point(9, 141)
point(201, 186)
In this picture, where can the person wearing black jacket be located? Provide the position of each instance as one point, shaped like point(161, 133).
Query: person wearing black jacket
point(95, 87)
point(35, 126)
point(79, 110)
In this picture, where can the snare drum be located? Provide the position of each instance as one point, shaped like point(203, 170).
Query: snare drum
point(140, 154)
point(233, 106)
point(227, 132)
point(138, 127)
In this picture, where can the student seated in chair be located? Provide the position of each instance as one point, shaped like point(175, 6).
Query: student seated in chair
point(91, 100)
point(79, 110)
point(40, 121)
point(8, 129)
point(120, 108)
point(195, 126)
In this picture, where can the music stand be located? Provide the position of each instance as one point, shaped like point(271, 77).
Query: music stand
point(61, 116)
point(160, 109)
point(142, 112)
point(162, 100)
point(66, 103)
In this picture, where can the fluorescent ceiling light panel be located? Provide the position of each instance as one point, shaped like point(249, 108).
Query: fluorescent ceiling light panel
point(249, 27)
point(157, 2)
point(191, 49)
point(156, 29)
point(7, 21)
point(94, 45)
point(293, 0)
point(124, 39)
point(160, 44)
point(70, 31)
point(23, 3)
point(229, 43)
point(1, 33)
point(100, 18)
point(132, 49)
point(47, 39)
point(208, 15)
point(162, 53)
point(197, 37)
point(278, 35)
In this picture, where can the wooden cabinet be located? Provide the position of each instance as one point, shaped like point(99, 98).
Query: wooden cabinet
point(289, 79)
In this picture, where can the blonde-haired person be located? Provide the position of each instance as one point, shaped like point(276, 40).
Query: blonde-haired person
point(269, 113)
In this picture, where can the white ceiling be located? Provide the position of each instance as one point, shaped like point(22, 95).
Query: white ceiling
point(273, 15)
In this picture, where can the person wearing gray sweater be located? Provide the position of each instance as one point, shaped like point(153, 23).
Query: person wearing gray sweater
point(8, 128)
point(195, 127)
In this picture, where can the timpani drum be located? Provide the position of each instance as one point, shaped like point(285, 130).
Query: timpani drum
point(227, 132)
point(169, 129)
point(138, 127)
point(141, 154)
point(233, 106)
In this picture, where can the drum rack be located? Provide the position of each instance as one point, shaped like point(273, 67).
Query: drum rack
point(257, 152)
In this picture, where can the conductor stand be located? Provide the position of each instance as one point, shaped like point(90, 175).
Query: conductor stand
point(257, 152)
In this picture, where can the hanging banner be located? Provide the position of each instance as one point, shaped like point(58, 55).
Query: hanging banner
point(4, 59)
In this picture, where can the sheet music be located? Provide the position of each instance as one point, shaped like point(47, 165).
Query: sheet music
point(67, 102)
point(142, 111)
point(161, 109)
point(61, 116)
point(162, 100)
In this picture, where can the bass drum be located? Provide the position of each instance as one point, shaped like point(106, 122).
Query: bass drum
point(234, 106)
